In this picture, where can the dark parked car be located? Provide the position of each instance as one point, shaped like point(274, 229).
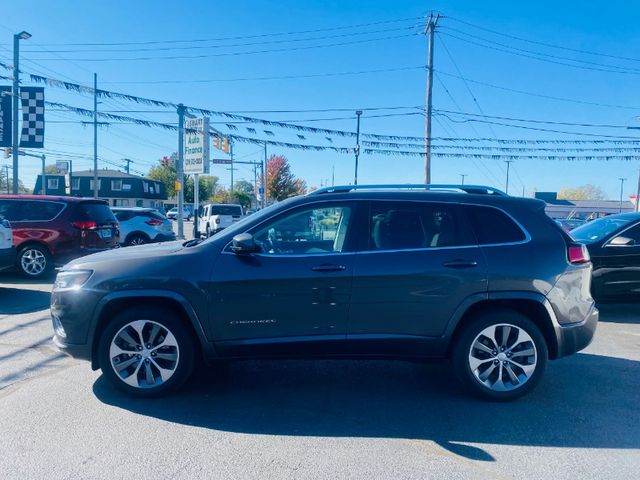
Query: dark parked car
point(487, 280)
point(614, 246)
point(50, 231)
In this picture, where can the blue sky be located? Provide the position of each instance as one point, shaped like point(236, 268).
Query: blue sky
point(575, 25)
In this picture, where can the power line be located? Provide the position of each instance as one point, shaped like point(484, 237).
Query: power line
point(542, 57)
point(540, 95)
point(267, 78)
point(228, 54)
point(550, 122)
point(240, 37)
point(545, 44)
point(232, 45)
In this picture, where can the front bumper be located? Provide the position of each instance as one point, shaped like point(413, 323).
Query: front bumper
point(574, 337)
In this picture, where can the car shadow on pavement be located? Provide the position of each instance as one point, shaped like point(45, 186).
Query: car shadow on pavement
point(619, 312)
point(585, 401)
point(17, 300)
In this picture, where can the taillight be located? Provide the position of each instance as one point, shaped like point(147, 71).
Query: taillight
point(154, 222)
point(84, 225)
point(217, 221)
point(578, 253)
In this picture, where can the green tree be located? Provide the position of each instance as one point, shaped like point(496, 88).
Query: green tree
point(165, 172)
point(585, 192)
point(51, 170)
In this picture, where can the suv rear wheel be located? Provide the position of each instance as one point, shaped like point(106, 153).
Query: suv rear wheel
point(146, 352)
point(136, 239)
point(34, 261)
point(500, 355)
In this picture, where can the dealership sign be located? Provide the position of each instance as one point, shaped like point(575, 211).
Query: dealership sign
point(196, 141)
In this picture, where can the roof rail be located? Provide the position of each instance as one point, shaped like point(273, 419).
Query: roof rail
point(474, 189)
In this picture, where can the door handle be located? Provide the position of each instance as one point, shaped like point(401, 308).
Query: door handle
point(460, 264)
point(328, 268)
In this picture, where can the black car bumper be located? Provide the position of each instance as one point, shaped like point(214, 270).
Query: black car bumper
point(577, 336)
point(7, 258)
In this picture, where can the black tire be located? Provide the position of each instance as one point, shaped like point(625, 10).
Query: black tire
point(26, 258)
point(168, 320)
point(462, 351)
point(136, 239)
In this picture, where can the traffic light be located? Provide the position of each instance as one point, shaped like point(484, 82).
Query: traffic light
point(216, 142)
point(225, 145)
point(165, 161)
point(177, 186)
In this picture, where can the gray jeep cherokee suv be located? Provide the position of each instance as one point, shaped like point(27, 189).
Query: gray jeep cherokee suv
point(411, 272)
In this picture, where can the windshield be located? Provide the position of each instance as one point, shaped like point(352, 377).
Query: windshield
point(600, 229)
point(226, 210)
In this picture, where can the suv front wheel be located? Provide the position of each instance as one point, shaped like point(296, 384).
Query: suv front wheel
point(146, 352)
point(34, 261)
point(500, 355)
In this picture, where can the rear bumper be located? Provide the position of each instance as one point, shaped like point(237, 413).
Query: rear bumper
point(7, 258)
point(574, 337)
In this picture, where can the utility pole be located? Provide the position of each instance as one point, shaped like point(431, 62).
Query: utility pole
point(180, 170)
point(333, 175)
point(358, 114)
point(429, 31)
point(95, 135)
point(462, 175)
point(231, 155)
point(638, 193)
point(126, 168)
point(44, 176)
point(508, 162)
point(622, 180)
point(255, 182)
point(264, 177)
point(6, 171)
point(15, 123)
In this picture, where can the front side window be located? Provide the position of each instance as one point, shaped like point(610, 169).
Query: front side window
point(416, 225)
point(309, 231)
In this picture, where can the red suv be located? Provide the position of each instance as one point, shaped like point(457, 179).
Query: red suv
point(50, 231)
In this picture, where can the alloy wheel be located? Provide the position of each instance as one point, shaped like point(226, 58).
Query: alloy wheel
point(144, 354)
point(503, 357)
point(33, 262)
point(137, 241)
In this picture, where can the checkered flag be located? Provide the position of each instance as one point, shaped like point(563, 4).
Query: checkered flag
point(32, 117)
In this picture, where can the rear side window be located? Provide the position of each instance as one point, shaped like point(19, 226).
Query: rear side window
point(122, 215)
point(411, 225)
point(30, 210)
point(96, 212)
point(493, 226)
point(226, 210)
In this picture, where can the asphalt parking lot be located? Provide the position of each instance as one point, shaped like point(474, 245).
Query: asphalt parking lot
point(313, 419)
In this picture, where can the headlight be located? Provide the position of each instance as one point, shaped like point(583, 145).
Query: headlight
point(71, 279)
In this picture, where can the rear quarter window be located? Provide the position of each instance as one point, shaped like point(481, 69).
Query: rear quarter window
point(493, 226)
point(97, 212)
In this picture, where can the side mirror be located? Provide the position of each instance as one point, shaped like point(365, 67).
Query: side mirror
point(622, 242)
point(243, 243)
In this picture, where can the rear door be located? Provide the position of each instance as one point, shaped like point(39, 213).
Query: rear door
point(33, 220)
point(417, 265)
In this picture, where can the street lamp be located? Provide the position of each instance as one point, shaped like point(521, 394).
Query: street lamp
point(16, 81)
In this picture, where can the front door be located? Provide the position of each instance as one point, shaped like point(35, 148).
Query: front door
point(419, 263)
point(294, 291)
point(616, 268)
